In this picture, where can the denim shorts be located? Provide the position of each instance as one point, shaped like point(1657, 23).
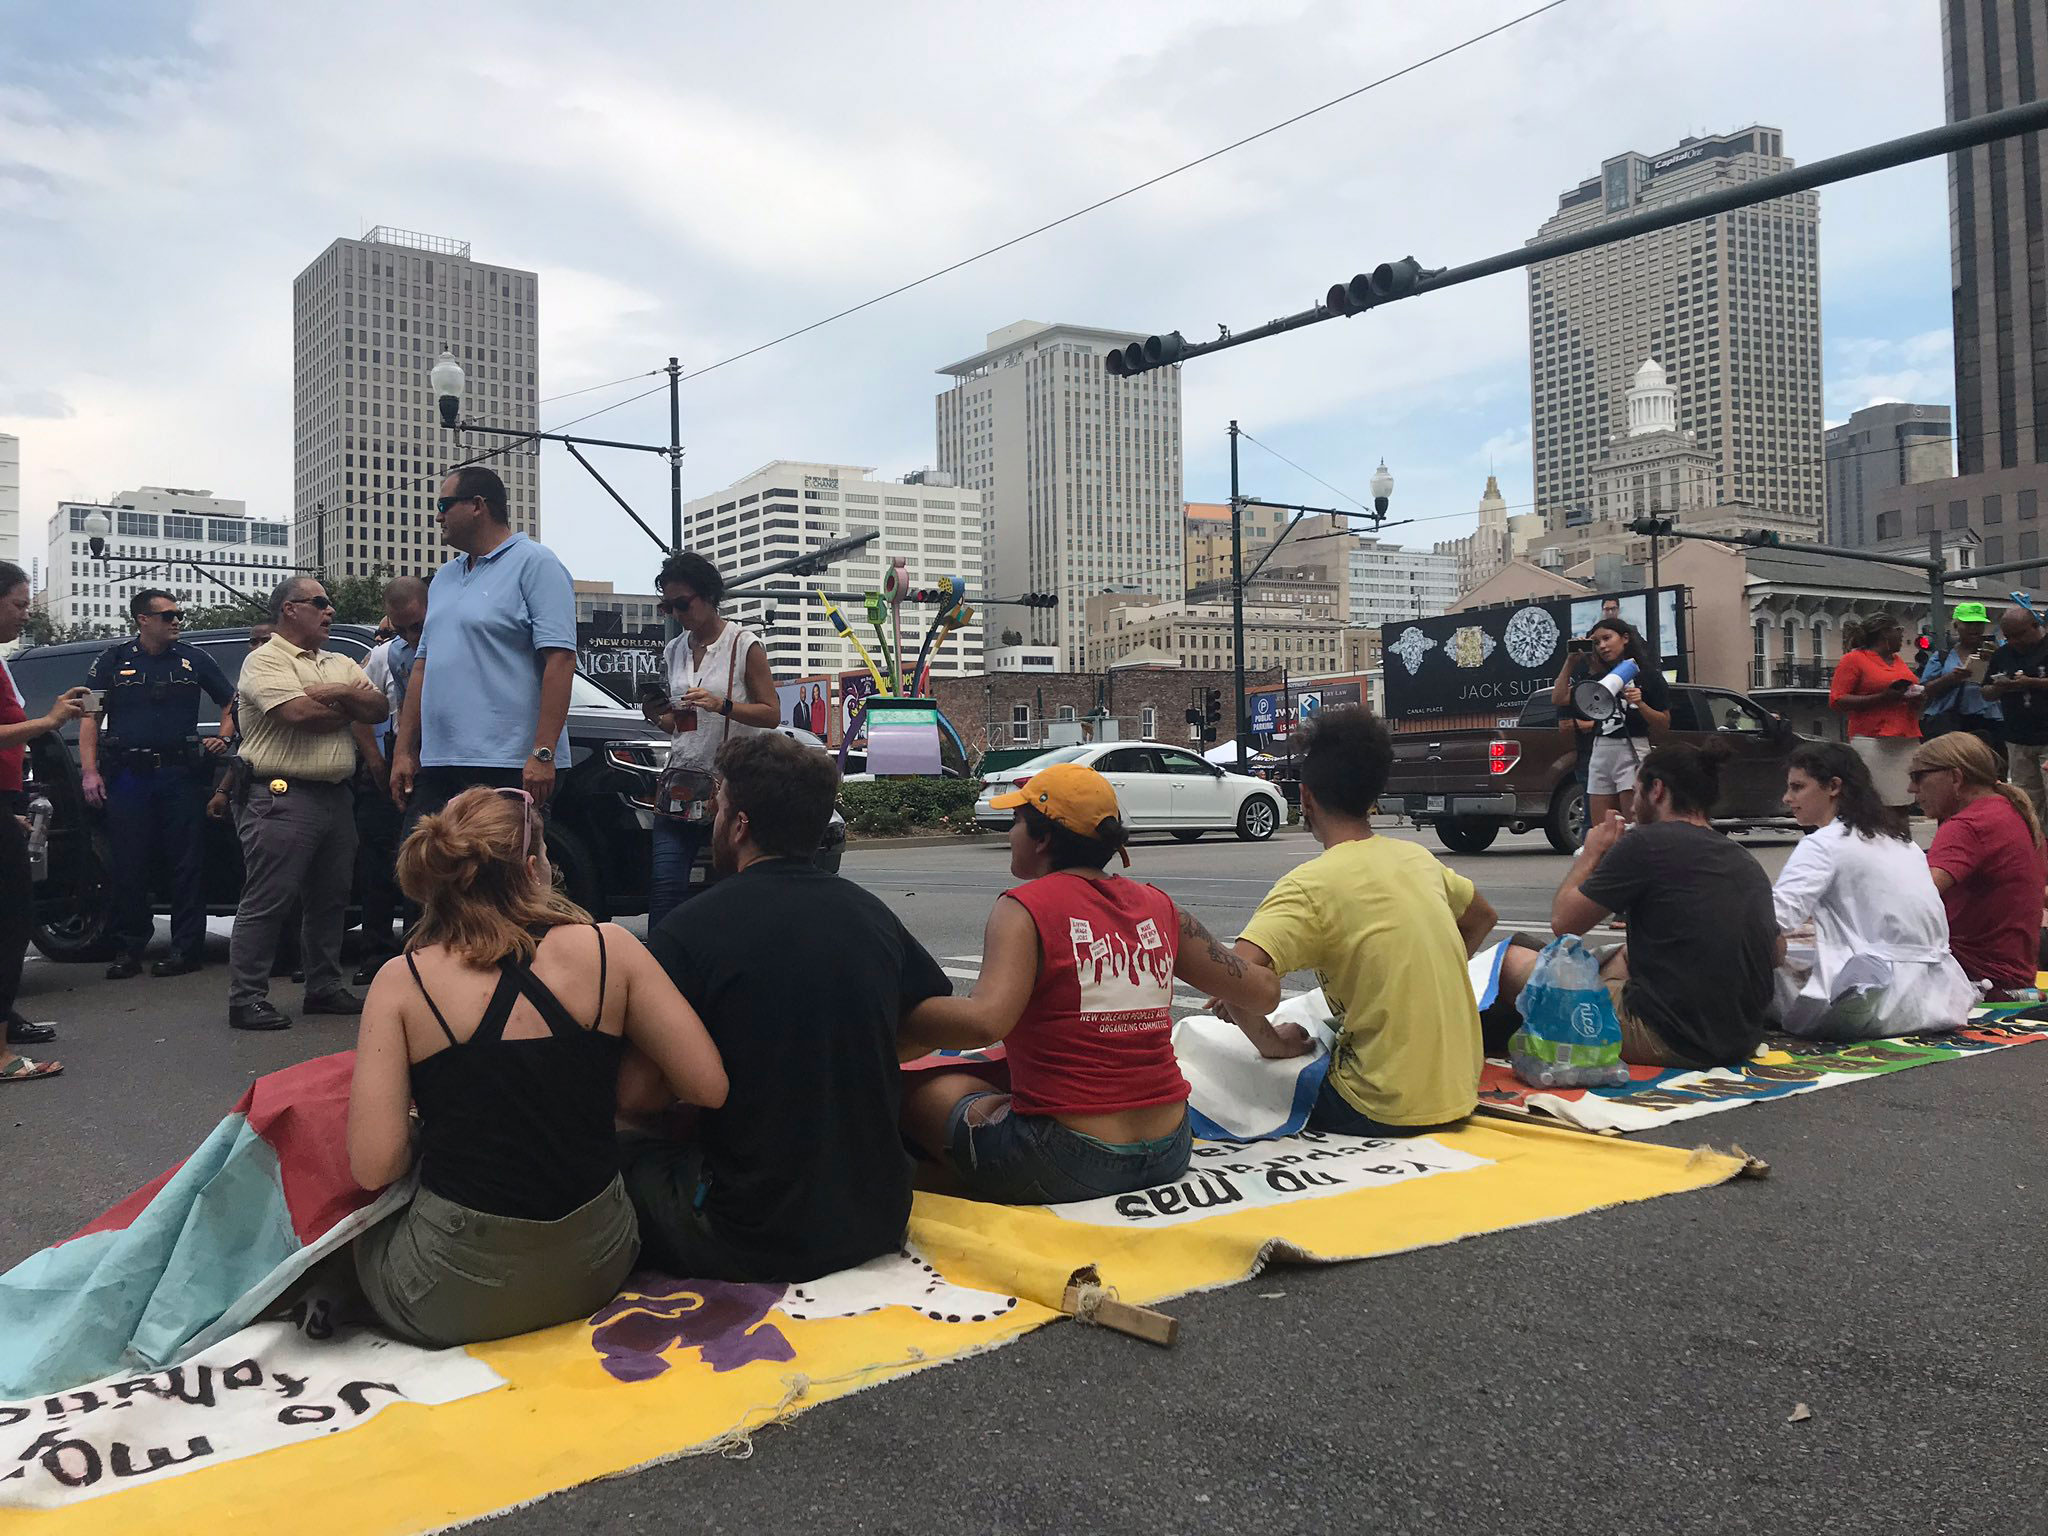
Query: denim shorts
point(1015, 1159)
point(1334, 1112)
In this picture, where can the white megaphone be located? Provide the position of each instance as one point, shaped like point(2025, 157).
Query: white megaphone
point(1600, 699)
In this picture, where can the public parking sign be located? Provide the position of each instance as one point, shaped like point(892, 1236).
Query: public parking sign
point(1265, 713)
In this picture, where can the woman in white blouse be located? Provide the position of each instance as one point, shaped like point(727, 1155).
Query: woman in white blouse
point(718, 686)
point(1877, 961)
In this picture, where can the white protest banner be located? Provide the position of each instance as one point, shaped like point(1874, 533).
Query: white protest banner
point(271, 1384)
point(1308, 1166)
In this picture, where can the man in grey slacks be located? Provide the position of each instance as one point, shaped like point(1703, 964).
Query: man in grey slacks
point(296, 704)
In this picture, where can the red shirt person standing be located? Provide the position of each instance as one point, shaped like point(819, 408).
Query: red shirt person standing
point(1880, 700)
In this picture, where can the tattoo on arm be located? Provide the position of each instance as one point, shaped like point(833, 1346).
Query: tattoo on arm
point(1192, 933)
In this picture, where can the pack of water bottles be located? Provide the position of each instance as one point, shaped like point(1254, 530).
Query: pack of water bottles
point(1570, 1036)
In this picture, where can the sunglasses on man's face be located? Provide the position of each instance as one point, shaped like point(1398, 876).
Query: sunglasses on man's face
point(323, 602)
point(443, 503)
point(168, 615)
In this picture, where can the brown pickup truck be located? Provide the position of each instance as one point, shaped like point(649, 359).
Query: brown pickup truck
point(1469, 783)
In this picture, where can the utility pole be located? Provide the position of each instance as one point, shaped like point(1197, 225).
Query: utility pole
point(1237, 595)
point(1937, 597)
point(675, 458)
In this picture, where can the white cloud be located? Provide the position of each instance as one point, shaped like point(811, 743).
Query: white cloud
point(694, 181)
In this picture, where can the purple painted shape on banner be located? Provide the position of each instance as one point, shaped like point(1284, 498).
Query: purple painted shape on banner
point(724, 1321)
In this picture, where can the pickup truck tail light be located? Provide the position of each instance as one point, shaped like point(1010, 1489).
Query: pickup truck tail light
point(1502, 755)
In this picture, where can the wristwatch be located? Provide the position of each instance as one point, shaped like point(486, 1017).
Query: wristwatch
point(542, 754)
point(725, 708)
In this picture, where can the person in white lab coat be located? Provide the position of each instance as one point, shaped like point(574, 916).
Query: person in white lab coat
point(1877, 960)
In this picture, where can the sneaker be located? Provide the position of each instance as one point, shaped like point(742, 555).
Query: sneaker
point(261, 1014)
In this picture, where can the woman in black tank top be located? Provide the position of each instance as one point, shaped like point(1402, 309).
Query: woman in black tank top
point(504, 1024)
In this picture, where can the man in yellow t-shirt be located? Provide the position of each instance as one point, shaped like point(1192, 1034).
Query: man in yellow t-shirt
point(1387, 931)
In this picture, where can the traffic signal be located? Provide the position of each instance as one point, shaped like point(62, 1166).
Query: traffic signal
point(1922, 643)
point(1152, 352)
point(1039, 600)
point(1386, 282)
point(1212, 713)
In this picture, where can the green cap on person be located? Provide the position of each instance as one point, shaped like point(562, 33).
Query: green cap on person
point(1971, 613)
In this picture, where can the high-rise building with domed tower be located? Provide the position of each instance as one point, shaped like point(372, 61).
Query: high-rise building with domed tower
point(1729, 306)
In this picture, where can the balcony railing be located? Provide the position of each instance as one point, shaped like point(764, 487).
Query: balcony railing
point(1791, 674)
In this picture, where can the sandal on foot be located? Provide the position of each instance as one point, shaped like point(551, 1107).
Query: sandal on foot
point(22, 1068)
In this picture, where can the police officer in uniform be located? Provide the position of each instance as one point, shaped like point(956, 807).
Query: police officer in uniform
point(147, 765)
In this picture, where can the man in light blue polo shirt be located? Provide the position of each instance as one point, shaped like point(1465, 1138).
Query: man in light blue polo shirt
point(489, 695)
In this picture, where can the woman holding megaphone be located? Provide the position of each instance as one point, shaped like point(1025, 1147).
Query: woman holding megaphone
point(1610, 680)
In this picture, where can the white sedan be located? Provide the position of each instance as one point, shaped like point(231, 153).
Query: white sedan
point(1160, 788)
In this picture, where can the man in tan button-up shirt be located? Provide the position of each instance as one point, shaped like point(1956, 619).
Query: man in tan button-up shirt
point(298, 702)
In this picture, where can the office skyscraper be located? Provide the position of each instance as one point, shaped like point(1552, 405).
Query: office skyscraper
point(1730, 306)
point(1079, 474)
point(1876, 449)
point(369, 317)
point(1995, 233)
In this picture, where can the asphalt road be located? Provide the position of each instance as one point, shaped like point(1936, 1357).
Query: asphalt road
point(1627, 1371)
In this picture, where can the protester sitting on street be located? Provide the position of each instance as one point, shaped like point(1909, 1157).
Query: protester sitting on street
point(296, 704)
point(1879, 698)
point(803, 981)
point(17, 892)
point(1877, 960)
point(1619, 741)
point(717, 689)
point(1694, 981)
point(148, 768)
point(1955, 699)
point(1987, 861)
point(2017, 679)
point(1387, 931)
point(1077, 973)
point(505, 1023)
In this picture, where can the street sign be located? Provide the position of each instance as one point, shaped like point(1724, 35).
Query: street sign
point(1308, 705)
point(1265, 713)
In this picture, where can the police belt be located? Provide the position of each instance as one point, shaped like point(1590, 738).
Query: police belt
point(185, 755)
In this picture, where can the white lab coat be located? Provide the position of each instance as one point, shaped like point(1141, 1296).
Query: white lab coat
point(1878, 963)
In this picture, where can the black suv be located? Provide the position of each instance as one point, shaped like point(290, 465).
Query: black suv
point(597, 826)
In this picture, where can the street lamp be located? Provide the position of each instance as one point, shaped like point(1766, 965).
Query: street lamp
point(1382, 488)
point(96, 530)
point(446, 379)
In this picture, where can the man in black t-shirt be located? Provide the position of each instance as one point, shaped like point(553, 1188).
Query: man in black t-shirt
point(2017, 679)
point(802, 980)
point(1692, 984)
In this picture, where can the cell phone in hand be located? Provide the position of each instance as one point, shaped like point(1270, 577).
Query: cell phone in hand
point(1900, 685)
point(1579, 647)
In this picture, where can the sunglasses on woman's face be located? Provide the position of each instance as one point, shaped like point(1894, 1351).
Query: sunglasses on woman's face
point(678, 606)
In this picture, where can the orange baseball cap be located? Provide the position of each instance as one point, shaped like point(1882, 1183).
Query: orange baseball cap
point(1078, 798)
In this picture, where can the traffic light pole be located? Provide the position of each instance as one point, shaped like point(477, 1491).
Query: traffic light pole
point(1237, 598)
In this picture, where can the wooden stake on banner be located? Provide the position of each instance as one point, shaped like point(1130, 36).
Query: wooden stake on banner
point(1088, 1300)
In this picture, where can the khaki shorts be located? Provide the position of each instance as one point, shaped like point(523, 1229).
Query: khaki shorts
point(1641, 1045)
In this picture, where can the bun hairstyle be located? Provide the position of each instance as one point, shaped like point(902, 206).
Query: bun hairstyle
point(1864, 633)
point(468, 870)
point(1691, 775)
point(1068, 849)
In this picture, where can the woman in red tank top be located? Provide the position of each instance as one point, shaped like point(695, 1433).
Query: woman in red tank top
point(1077, 976)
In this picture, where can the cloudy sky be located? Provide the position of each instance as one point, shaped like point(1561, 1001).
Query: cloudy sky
point(696, 179)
